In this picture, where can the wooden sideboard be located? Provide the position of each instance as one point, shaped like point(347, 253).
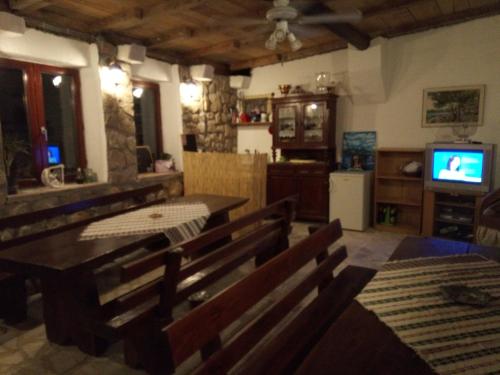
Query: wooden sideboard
point(309, 181)
point(303, 128)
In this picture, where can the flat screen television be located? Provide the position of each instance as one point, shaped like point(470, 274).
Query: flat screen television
point(459, 167)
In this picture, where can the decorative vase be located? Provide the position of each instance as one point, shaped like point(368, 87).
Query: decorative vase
point(285, 89)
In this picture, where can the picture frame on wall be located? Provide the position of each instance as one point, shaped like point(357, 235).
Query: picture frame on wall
point(453, 106)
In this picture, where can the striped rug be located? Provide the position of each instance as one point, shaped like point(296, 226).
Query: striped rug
point(178, 221)
point(451, 338)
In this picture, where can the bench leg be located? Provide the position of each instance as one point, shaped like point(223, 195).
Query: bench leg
point(132, 345)
point(64, 303)
point(212, 222)
point(145, 348)
point(13, 297)
point(270, 253)
point(216, 344)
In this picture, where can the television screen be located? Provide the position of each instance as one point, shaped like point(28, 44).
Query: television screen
point(458, 166)
point(54, 155)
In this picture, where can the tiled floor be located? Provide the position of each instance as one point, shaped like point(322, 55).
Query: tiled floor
point(24, 349)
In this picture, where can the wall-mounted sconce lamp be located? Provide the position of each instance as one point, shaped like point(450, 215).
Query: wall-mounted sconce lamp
point(191, 92)
point(137, 92)
point(56, 81)
point(112, 77)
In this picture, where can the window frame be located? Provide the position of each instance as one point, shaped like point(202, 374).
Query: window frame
point(158, 123)
point(35, 113)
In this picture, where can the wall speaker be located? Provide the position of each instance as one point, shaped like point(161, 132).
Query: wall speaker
point(132, 53)
point(11, 25)
point(202, 73)
point(239, 82)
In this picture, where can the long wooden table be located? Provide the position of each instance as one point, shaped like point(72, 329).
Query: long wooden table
point(65, 267)
point(359, 343)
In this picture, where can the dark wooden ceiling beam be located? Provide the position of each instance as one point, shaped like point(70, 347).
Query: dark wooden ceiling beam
point(171, 35)
point(41, 24)
point(215, 49)
point(389, 7)
point(28, 5)
point(127, 18)
point(450, 19)
point(187, 32)
point(130, 18)
point(344, 30)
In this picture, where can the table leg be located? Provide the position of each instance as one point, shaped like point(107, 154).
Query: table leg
point(212, 222)
point(13, 298)
point(55, 314)
point(65, 301)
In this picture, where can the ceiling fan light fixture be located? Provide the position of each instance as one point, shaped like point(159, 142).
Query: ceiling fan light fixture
point(271, 43)
point(295, 44)
point(281, 31)
point(281, 11)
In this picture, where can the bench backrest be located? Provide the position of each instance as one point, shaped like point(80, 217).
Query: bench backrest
point(263, 242)
point(136, 197)
point(203, 325)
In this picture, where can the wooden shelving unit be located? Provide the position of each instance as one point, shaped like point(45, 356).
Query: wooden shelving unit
point(451, 214)
point(251, 124)
point(400, 192)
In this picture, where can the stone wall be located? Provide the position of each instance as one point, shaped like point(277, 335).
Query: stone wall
point(48, 198)
point(120, 131)
point(210, 120)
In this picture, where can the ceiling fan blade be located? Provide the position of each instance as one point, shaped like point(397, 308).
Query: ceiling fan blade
point(304, 31)
point(246, 21)
point(354, 16)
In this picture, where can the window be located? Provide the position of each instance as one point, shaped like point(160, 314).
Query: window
point(40, 108)
point(147, 116)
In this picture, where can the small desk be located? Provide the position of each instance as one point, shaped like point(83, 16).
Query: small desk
point(65, 267)
point(358, 343)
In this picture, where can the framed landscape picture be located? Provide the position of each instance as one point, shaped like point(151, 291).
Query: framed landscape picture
point(453, 106)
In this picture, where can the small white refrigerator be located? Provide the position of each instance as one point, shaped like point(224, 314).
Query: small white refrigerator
point(350, 198)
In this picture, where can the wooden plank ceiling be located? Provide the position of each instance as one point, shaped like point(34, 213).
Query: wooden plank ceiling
point(211, 31)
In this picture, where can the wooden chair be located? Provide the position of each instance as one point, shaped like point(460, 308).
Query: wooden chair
point(490, 210)
point(13, 305)
point(488, 229)
point(140, 314)
point(283, 351)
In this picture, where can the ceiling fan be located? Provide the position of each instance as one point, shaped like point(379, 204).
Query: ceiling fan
point(286, 17)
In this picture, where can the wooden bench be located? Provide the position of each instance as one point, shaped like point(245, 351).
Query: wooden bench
point(138, 315)
point(283, 350)
point(13, 299)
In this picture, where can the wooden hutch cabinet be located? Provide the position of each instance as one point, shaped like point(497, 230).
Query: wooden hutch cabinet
point(304, 130)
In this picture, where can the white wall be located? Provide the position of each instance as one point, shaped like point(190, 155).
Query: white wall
point(172, 116)
point(167, 76)
point(44, 48)
point(93, 116)
point(464, 54)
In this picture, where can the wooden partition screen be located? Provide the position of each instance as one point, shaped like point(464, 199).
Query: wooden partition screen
point(238, 175)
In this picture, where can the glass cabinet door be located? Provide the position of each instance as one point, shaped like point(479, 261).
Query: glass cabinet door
point(287, 124)
point(314, 122)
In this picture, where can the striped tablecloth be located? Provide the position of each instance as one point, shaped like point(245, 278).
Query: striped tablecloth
point(179, 222)
point(451, 338)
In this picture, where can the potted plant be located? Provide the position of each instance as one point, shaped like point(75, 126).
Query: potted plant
point(12, 148)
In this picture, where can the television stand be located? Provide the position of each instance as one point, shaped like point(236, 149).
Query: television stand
point(451, 214)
